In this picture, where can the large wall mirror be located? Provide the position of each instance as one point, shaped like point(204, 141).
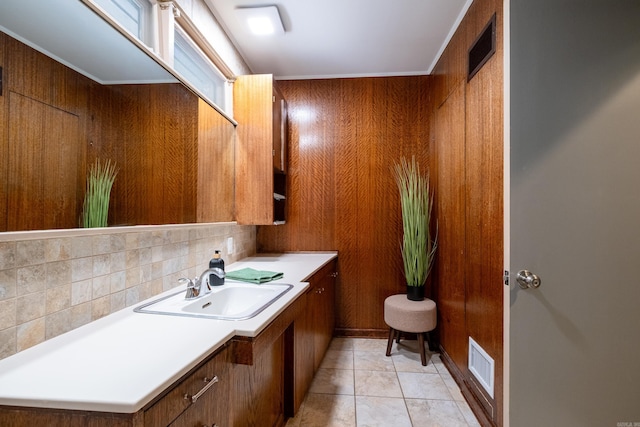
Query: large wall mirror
point(74, 89)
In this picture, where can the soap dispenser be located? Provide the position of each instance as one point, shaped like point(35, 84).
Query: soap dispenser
point(216, 262)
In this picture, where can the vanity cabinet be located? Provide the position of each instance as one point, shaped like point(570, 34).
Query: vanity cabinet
point(272, 372)
point(261, 150)
point(312, 333)
point(261, 380)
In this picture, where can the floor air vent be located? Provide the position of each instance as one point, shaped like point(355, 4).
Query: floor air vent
point(481, 366)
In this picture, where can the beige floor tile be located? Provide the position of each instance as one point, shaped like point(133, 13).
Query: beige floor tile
point(437, 362)
point(468, 414)
point(453, 387)
point(409, 361)
point(372, 361)
point(333, 381)
point(359, 366)
point(328, 410)
point(381, 411)
point(370, 344)
point(338, 359)
point(409, 345)
point(342, 343)
point(435, 413)
point(377, 383)
point(423, 386)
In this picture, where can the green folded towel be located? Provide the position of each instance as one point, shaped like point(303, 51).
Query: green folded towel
point(254, 276)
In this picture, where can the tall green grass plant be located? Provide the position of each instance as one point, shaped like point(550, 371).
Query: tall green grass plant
point(418, 246)
point(95, 210)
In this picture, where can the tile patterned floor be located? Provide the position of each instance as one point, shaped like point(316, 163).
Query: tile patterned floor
point(357, 385)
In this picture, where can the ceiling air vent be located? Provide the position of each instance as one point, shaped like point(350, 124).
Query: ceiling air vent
point(483, 48)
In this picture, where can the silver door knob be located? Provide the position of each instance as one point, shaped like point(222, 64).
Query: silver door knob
point(527, 279)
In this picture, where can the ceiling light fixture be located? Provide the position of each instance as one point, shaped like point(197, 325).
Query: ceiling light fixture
point(263, 20)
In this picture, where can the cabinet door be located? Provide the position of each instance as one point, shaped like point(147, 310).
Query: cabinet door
point(317, 318)
point(321, 310)
point(312, 332)
point(261, 150)
point(253, 110)
point(327, 288)
point(257, 395)
point(303, 352)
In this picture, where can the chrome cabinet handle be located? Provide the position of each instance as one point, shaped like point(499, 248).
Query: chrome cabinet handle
point(527, 279)
point(208, 384)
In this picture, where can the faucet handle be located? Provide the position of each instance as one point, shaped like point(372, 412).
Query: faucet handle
point(192, 290)
point(208, 284)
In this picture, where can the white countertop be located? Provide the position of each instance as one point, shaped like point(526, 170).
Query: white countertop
point(121, 362)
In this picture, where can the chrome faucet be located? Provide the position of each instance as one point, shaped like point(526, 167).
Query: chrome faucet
point(194, 287)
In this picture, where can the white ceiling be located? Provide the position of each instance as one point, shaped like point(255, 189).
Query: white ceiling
point(346, 38)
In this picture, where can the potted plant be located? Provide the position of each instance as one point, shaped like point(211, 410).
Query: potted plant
point(95, 209)
point(418, 246)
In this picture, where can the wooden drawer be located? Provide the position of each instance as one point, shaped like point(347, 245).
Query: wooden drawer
point(180, 398)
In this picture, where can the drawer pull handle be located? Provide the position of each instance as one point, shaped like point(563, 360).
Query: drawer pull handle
point(209, 383)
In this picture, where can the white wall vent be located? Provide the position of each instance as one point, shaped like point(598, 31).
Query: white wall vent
point(481, 366)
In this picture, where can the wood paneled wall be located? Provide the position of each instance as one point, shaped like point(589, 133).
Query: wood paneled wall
point(174, 152)
point(449, 181)
point(216, 145)
point(344, 137)
point(42, 151)
point(151, 133)
point(468, 149)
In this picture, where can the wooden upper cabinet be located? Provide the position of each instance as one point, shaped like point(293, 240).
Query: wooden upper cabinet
point(261, 150)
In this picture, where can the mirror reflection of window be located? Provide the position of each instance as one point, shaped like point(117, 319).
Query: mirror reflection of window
point(133, 15)
point(194, 67)
point(154, 26)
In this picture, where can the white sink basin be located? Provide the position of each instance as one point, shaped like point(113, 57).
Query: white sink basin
point(232, 301)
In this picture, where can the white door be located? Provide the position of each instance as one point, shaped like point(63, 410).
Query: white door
point(575, 212)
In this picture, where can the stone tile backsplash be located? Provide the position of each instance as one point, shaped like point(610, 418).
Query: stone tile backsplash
point(51, 283)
